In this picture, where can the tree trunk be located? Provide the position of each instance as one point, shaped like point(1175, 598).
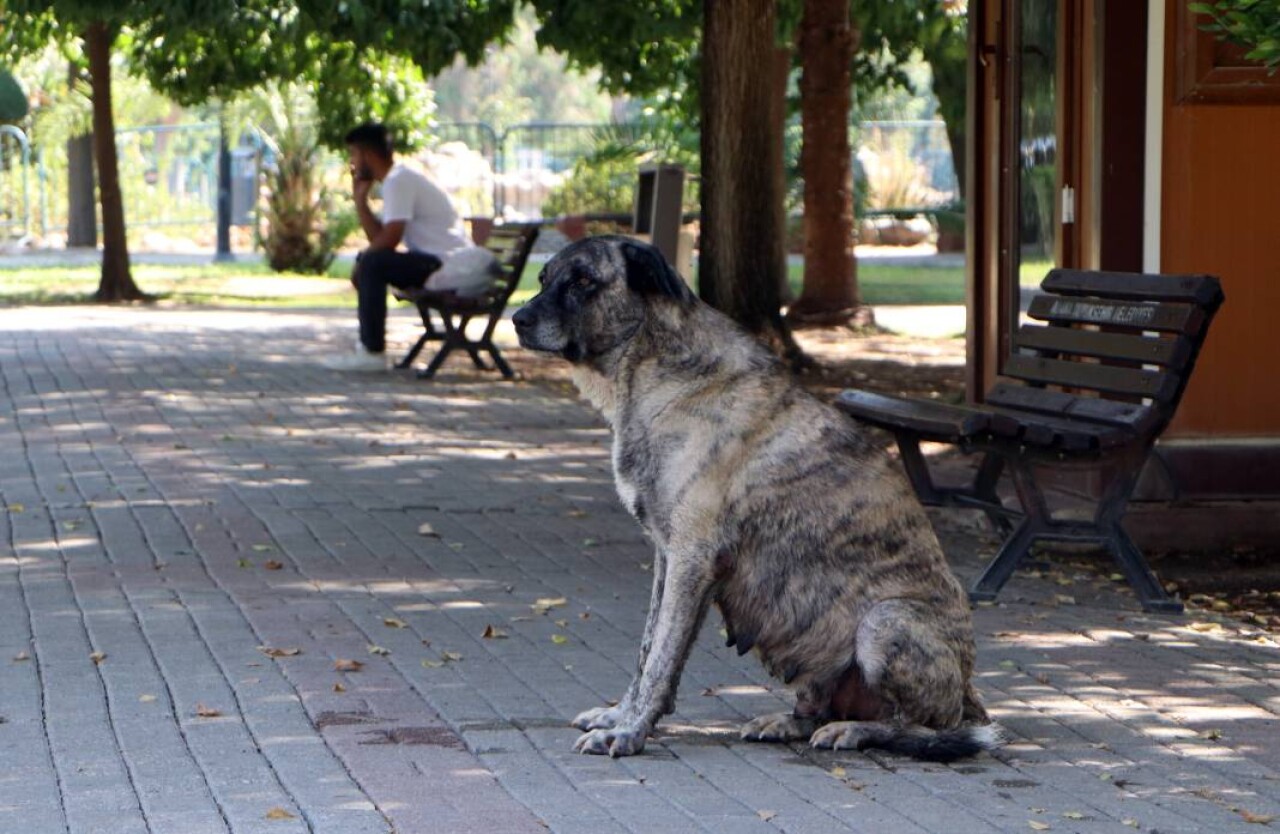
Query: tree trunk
point(742, 253)
point(947, 58)
point(830, 294)
point(116, 283)
point(778, 93)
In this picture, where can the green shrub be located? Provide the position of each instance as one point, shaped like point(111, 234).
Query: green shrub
point(595, 184)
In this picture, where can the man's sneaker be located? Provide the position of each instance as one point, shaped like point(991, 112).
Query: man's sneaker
point(361, 360)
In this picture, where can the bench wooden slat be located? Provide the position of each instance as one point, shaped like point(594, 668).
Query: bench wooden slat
point(1159, 385)
point(930, 419)
point(1134, 416)
point(1061, 432)
point(1171, 353)
point(1169, 317)
point(1131, 286)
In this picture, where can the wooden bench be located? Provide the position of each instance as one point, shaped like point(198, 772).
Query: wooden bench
point(1102, 372)
point(512, 245)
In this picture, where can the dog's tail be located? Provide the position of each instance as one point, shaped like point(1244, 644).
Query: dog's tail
point(938, 745)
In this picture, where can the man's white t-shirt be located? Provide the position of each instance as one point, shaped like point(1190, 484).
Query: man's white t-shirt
point(431, 224)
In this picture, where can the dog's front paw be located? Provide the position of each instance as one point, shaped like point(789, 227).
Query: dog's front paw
point(598, 718)
point(779, 726)
point(614, 743)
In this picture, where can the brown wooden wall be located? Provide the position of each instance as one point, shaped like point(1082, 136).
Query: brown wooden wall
point(1221, 215)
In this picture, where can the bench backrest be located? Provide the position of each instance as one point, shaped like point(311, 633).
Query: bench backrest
point(511, 244)
point(1110, 347)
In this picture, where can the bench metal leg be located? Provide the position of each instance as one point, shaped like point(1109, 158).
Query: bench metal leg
point(499, 362)
point(413, 351)
point(981, 495)
point(1105, 530)
point(998, 571)
point(1136, 570)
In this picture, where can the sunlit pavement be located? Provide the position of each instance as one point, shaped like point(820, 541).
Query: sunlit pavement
point(242, 593)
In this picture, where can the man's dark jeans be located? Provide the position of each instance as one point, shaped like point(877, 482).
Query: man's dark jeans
point(376, 269)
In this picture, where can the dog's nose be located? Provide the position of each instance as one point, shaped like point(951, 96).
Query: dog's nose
point(522, 318)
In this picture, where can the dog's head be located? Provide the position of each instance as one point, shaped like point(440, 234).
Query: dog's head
point(595, 296)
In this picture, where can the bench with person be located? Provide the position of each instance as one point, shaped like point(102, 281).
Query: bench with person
point(510, 246)
point(1101, 376)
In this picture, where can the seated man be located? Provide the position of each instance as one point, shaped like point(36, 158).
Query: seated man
point(415, 212)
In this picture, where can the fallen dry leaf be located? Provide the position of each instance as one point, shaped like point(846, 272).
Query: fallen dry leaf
point(427, 530)
point(392, 622)
point(491, 633)
point(545, 604)
point(585, 615)
point(1073, 815)
point(17, 508)
point(146, 699)
point(1038, 826)
point(207, 712)
point(838, 772)
point(380, 651)
point(432, 664)
point(577, 513)
point(272, 564)
point(20, 656)
point(1211, 735)
point(1132, 823)
point(1256, 819)
point(262, 548)
point(337, 687)
point(1063, 599)
point(344, 664)
point(450, 656)
point(280, 814)
point(559, 639)
point(274, 652)
point(562, 623)
point(766, 815)
point(709, 691)
point(1205, 627)
point(98, 657)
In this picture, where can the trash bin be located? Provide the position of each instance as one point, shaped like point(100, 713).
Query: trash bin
point(659, 206)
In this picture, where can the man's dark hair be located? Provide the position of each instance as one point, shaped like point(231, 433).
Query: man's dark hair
point(372, 137)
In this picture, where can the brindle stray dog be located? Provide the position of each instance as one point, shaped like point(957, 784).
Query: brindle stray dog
point(767, 502)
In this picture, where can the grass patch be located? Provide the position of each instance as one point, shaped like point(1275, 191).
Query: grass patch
point(231, 285)
point(878, 283)
point(252, 283)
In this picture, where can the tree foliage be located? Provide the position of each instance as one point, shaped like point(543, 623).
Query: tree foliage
point(1252, 24)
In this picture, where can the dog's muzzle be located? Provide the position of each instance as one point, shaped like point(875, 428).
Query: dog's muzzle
point(534, 332)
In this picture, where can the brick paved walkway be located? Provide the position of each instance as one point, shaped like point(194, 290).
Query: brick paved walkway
point(183, 488)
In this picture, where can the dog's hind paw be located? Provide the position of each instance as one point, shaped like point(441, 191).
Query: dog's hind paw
point(778, 726)
point(598, 718)
point(613, 743)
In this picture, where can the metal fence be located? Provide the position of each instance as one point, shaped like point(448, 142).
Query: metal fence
point(15, 185)
point(168, 173)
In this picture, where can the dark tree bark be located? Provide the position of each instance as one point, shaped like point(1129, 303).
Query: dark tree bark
point(830, 294)
point(116, 283)
point(742, 256)
point(782, 56)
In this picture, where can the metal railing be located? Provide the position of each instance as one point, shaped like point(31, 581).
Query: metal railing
point(15, 184)
point(168, 173)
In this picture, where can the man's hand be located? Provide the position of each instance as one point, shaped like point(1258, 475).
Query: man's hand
point(360, 191)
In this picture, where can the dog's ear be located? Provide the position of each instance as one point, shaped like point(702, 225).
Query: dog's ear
point(648, 273)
